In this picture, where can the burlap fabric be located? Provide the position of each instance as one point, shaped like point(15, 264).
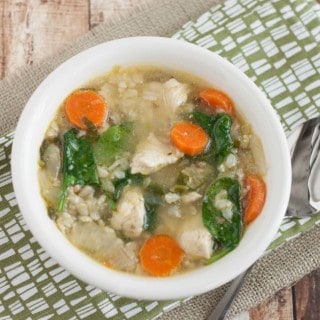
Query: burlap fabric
point(280, 268)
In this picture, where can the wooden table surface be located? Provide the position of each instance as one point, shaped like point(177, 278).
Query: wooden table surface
point(34, 29)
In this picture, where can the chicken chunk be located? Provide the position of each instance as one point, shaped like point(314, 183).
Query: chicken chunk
point(175, 94)
point(170, 95)
point(153, 154)
point(104, 243)
point(196, 243)
point(52, 159)
point(130, 212)
point(191, 197)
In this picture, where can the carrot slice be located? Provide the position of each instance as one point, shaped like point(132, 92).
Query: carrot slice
point(189, 138)
point(160, 255)
point(217, 99)
point(255, 198)
point(85, 105)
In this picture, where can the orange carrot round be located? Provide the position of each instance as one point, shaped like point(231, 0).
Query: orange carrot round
point(160, 255)
point(85, 105)
point(217, 99)
point(255, 198)
point(189, 138)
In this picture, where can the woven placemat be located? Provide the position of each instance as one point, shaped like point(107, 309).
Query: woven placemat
point(33, 285)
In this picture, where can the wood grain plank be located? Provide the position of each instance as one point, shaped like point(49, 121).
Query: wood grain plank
point(307, 297)
point(3, 53)
point(32, 30)
point(279, 307)
point(102, 11)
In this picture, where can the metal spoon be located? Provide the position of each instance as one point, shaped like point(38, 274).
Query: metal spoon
point(304, 145)
point(305, 195)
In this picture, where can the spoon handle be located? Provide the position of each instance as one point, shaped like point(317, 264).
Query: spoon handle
point(222, 308)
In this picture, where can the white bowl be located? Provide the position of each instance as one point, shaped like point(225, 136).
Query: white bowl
point(168, 53)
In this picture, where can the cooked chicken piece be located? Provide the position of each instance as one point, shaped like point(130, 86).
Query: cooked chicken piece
point(195, 239)
point(171, 197)
point(191, 197)
point(52, 159)
point(175, 94)
point(125, 258)
point(153, 154)
point(197, 243)
point(130, 212)
point(104, 243)
point(170, 95)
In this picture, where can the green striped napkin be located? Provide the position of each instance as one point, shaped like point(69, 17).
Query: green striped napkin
point(276, 43)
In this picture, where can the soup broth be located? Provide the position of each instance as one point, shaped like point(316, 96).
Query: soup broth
point(151, 171)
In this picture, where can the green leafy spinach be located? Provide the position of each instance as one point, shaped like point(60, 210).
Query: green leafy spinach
point(78, 166)
point(222, 142)
point(226, 231)
point(218, 128)
point(204, 120)
point(152, 200)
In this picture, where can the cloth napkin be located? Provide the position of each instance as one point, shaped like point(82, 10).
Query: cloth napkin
point(276, 43)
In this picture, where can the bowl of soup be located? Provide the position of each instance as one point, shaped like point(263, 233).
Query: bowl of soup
point(151, 168)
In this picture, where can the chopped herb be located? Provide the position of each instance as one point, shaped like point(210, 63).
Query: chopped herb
point(92, 133)
point(110, 201)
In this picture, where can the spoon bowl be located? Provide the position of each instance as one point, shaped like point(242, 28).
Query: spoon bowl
point(305, 197)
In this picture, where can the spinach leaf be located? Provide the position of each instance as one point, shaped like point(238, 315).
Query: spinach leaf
point(219, 129)
point(78, 166)
point(152, 200)
point(204, 120)
point(226, 232)
point(112, 143)
point(129, 178)
point(222, 142)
